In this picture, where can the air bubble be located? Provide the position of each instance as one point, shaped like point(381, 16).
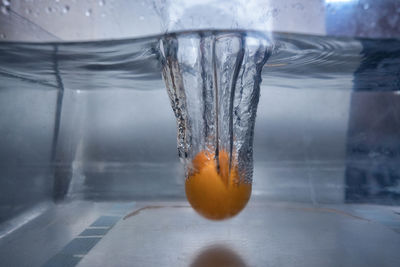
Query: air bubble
point(366, 6)
point(49, 9)
point(65, 10)
point(6, 2)
point(5, 10)
point(88, 12)
point(102, 3)
point(2, 36)
point(141, 18)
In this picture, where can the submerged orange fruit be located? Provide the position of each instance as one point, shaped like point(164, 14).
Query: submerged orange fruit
point(216, 193)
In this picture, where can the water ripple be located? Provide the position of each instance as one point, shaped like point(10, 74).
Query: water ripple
point(298, 62)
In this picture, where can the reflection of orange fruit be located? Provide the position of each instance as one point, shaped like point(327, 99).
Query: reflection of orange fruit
point(216, 195)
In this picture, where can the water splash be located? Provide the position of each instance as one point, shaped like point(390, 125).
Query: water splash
point(213, 82)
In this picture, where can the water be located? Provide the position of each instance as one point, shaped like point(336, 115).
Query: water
point(104, 97)
point(298, 62)
point(134, 63)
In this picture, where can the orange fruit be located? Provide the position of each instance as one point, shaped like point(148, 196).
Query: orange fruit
point(216, 194)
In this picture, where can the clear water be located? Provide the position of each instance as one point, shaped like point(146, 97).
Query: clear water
point(297, 62)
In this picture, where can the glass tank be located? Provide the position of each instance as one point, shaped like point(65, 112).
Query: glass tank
point(199, 133)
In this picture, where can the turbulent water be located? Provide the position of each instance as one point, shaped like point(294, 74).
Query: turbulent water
point(213, 81)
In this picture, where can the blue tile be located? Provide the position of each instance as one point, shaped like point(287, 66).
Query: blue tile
point(80, 245)
point(92, 232)
point(106, 221)
point(62, 260)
